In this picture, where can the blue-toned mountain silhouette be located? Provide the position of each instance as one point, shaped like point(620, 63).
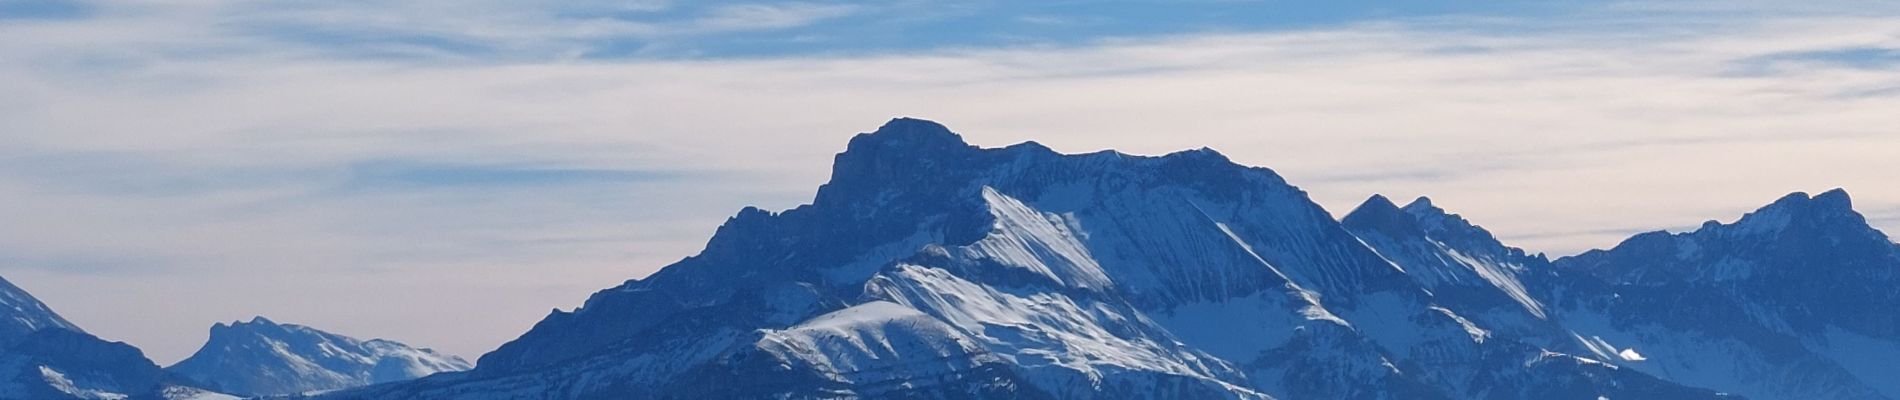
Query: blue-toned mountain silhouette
point(42, 356)
point(263, 357)
point(929, 268)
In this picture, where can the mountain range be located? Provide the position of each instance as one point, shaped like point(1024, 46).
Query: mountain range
point(43, 356)
point(928, 268)
point(47, 357)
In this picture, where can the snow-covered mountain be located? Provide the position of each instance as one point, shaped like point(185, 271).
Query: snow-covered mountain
point(1789, 302)
point(1792, 301)
point(930, 268)
point(42, 356)
point(261, 357)
point(1466, 268)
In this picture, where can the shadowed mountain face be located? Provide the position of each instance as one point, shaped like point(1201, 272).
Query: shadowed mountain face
point(42, 356)
point(262, 357)
point(1460, 263)
point(1793, 300)
point(1785, 303)
point(929, 268)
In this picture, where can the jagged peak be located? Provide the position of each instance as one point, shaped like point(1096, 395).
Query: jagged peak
point(904, 152)
point(1831, 208)
point(1833, 199)
point(255, 321)
point(1436, 219)
point(1378, 212)
point(1376, 203)
point(1827, 214)
point(1419, 211)
point(239, 328)
point(1422, 218)
point(1423, 206)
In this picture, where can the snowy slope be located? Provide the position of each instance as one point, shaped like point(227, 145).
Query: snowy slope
point(1791, 301)
point(929, 268)
point(21, 314)
point(1786, 303)
point(1464, 267)
point(262, 357)
point(42, 356)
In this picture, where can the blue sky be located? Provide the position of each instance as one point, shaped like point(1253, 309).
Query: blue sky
point(444, 172)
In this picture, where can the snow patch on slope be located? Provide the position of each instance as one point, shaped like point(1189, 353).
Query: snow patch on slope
point(1502, 276)
point(878, 341)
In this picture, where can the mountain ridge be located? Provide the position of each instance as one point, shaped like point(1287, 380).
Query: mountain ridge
point(930, 268)
point(263, 357)
point(44, 356)
point(1035, 274)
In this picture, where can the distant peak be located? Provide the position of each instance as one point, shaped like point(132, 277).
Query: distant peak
point(905, 153)
point(1379, 213)
point(1031, 145)
point(1421, 218)
point(1832, 208)
point(906, 131)
point(256, 321)
point(903, 141)
point(1831, 201)
point(249, 358)
point(903, 122)
point(256, 325)
point(1204, 153)
point(1422, 207)
point(1377, 201)
point(1836, 198)
point(1790, 200)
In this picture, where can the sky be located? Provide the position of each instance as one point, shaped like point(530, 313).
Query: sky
point(444, 173)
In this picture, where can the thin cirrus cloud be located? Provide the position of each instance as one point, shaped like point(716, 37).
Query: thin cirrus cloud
point(443, 173)
point(377, 175)
point(487, 30)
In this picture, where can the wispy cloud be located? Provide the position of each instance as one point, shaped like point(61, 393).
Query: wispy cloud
point(1871, 58)
point(397, 174)
point(767, 16)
